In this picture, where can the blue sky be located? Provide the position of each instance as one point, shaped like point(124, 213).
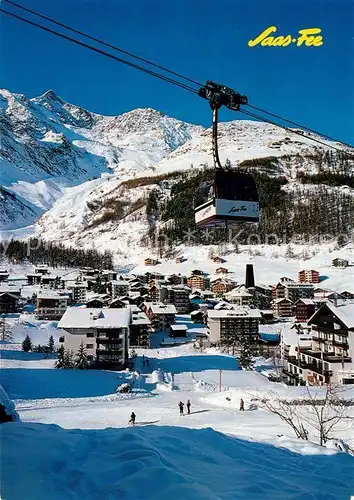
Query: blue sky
point(201, 39)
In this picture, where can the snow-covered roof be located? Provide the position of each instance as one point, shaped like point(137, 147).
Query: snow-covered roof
point(95, 318)
point(344, 312)
point(235, 312)
point(194, 313)
point(307, 302)
point(51, 294)
point(162, 308)
point(120, 283)
point(277, 301)
point(179, 328)
point(240, 291)
point(139, 317)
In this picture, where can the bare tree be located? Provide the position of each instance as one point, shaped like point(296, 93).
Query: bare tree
point(319, 412)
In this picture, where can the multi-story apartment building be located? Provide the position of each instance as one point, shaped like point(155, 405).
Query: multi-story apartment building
point(50, 282)
point(198, 281)
point(293, 291)
point(221, 286)
point(51, 305)
point(229, 324)
point(304, 309)
point(78, 292)
point(283, 308)
point(104, 333)
point(331, 356)
point(308, 276)
point(139, 328)
point(161, 316)
point(179, 296)
point(118, 288)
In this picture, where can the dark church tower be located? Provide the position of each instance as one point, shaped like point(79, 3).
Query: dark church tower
point(249, 283)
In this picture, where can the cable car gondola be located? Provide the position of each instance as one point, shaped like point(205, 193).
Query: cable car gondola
point(232, 195)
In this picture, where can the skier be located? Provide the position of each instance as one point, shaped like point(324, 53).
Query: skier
point(242, 405)
point(188, 407)
point(181, 405)
point(132, 418)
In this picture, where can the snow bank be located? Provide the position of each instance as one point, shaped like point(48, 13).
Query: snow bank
point(156, 463)
point(163, 381)
point(8, 405)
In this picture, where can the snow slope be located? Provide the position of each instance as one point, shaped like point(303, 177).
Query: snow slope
point(155, 463)
point(67, 163)
point(48, 144)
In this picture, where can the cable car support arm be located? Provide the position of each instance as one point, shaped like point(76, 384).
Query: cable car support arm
point(219, 95)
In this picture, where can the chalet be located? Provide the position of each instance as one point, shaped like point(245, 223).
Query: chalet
point(340, 262)
point(51, 305)
point(177, 279)
point(218, 260)
point(104, 334)
point(239, 295)
point(221, 270)
point(34, 279)
point(8, 303)
point(197, 272)
point(41, 270)
point(198, 316)
point(179, 260)
point(4, 274)
point(304, 309)
point(161, 316)
point(157, 293)
point(225, 326)
point(109, 275)
point(221, 287)
point(150, 262)
point(13, 289)
point(267, 317)
point(309, 276)
point(178, 295)
point(283, 307)
point(95, 303)
point(178, 331)
point(89, 273)
point(50, 282)
point(347, 295)
point(331, 355)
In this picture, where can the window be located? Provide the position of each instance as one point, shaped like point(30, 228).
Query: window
point(89, 346)
point(90, 334)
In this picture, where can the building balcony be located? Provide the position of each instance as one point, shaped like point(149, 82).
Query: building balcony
point(109, 352)
point(329, 330)
point(109, 340)
point(328, 357)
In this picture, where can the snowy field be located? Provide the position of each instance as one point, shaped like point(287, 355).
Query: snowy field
point(75, 441)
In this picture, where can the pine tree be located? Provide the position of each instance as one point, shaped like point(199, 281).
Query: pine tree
point(245, 356)
point(27, 344)
point(50, 344)
point(81, 360)
point(60, 362)
point(38, 348)
point(68, 360)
